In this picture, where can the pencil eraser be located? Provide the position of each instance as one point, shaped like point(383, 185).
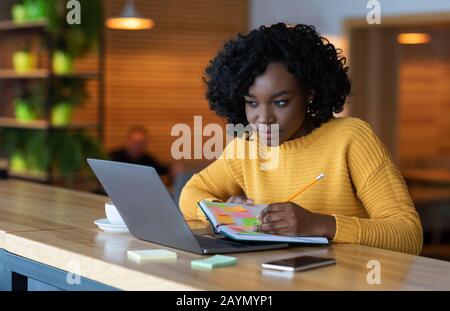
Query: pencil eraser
point(151, 255)
point(214, 262)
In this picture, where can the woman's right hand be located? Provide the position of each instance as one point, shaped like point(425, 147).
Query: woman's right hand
point(242, 198)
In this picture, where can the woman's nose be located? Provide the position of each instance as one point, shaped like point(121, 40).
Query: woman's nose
point(266, 115)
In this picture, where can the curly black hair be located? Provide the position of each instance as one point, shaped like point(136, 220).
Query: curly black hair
point(317, 65)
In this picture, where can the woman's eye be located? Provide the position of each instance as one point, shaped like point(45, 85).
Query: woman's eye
point(251, 103)
point(281, 103)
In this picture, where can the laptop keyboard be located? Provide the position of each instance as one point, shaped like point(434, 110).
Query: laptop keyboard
point(209, 242)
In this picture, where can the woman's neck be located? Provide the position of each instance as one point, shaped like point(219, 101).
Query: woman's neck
point(305, 128)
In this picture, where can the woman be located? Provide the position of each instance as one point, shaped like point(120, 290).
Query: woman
point(293, 78)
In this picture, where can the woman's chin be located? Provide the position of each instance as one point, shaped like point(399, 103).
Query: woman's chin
point(269, 141)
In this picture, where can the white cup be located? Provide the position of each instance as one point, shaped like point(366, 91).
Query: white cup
point(113, 215)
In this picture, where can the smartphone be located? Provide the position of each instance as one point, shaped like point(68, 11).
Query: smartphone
point(300, 263)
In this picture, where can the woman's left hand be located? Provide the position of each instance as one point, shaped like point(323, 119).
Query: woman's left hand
point(288, 218)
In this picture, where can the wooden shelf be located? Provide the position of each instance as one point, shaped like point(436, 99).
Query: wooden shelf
point(45, 74)
point(83, 181)
point(81, 75)
point(29, 26)
point(44, 125)
point(29, 176)
point(35, 74)
point(40, 30)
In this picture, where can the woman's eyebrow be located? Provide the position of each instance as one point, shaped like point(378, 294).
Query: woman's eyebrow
point(277, 94)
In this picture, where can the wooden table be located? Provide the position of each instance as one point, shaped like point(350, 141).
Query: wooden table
point(45, 232)
point(28, 206)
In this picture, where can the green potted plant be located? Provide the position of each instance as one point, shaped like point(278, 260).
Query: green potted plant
point(29, 11)
point(59, 150)
point(70, 42)
point(78, 39)
point(61, 113)
point(62, 62)
point(36, 9)
point(24, 61)
point(70, 150)
point(19, 13)
point(68, 93)
point(36, 152)
point(28, 102)
point(26, 150)
point(18, 163)
point(38, 155)
point(73, 41)
point(24, 111)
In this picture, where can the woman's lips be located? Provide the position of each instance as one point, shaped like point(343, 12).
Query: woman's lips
point(268, 135)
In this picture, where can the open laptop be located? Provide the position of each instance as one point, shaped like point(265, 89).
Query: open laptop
point(151, 215)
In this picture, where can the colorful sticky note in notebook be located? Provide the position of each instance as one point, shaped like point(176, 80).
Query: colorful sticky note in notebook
point(225, 219)
point(243, 215)
point(214, 262)
point(250, 221)
point(241, 228)
point(218, 211)
point(151, 255)
point(235, 209)
point(217, 204)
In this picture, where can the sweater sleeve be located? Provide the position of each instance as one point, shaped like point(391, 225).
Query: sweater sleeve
point(218, 181)
point(393, 222)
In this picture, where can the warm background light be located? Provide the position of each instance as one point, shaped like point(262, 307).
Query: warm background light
point(129, 19)
point(413, 38)
point(129, 23)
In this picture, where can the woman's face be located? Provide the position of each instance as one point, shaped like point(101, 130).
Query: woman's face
point(276, 98)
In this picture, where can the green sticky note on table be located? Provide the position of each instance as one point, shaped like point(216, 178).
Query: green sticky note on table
point(151, 255)
point(214, 262)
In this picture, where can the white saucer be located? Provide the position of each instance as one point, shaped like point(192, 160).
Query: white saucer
point(105, 225)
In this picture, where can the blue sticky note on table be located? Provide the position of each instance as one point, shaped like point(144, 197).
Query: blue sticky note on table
point(214, 262)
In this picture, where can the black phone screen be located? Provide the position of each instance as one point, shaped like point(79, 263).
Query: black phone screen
point(301, 261)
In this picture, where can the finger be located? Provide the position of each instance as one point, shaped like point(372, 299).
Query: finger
point(242, 200)
point(273, 208)
point(236, 199)
point(264, 215)
point(273, 226)
point(273, 217)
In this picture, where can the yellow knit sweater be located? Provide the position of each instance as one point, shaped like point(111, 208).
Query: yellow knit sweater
point(362, 188)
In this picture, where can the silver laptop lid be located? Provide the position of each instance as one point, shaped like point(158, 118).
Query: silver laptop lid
point(145, 204)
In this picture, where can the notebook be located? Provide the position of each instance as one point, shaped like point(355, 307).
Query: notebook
point(238, 222)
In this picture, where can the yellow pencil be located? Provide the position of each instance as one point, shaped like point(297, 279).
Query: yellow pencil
point(306, 187)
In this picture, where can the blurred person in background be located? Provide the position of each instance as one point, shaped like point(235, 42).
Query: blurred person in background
point(134, 151)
